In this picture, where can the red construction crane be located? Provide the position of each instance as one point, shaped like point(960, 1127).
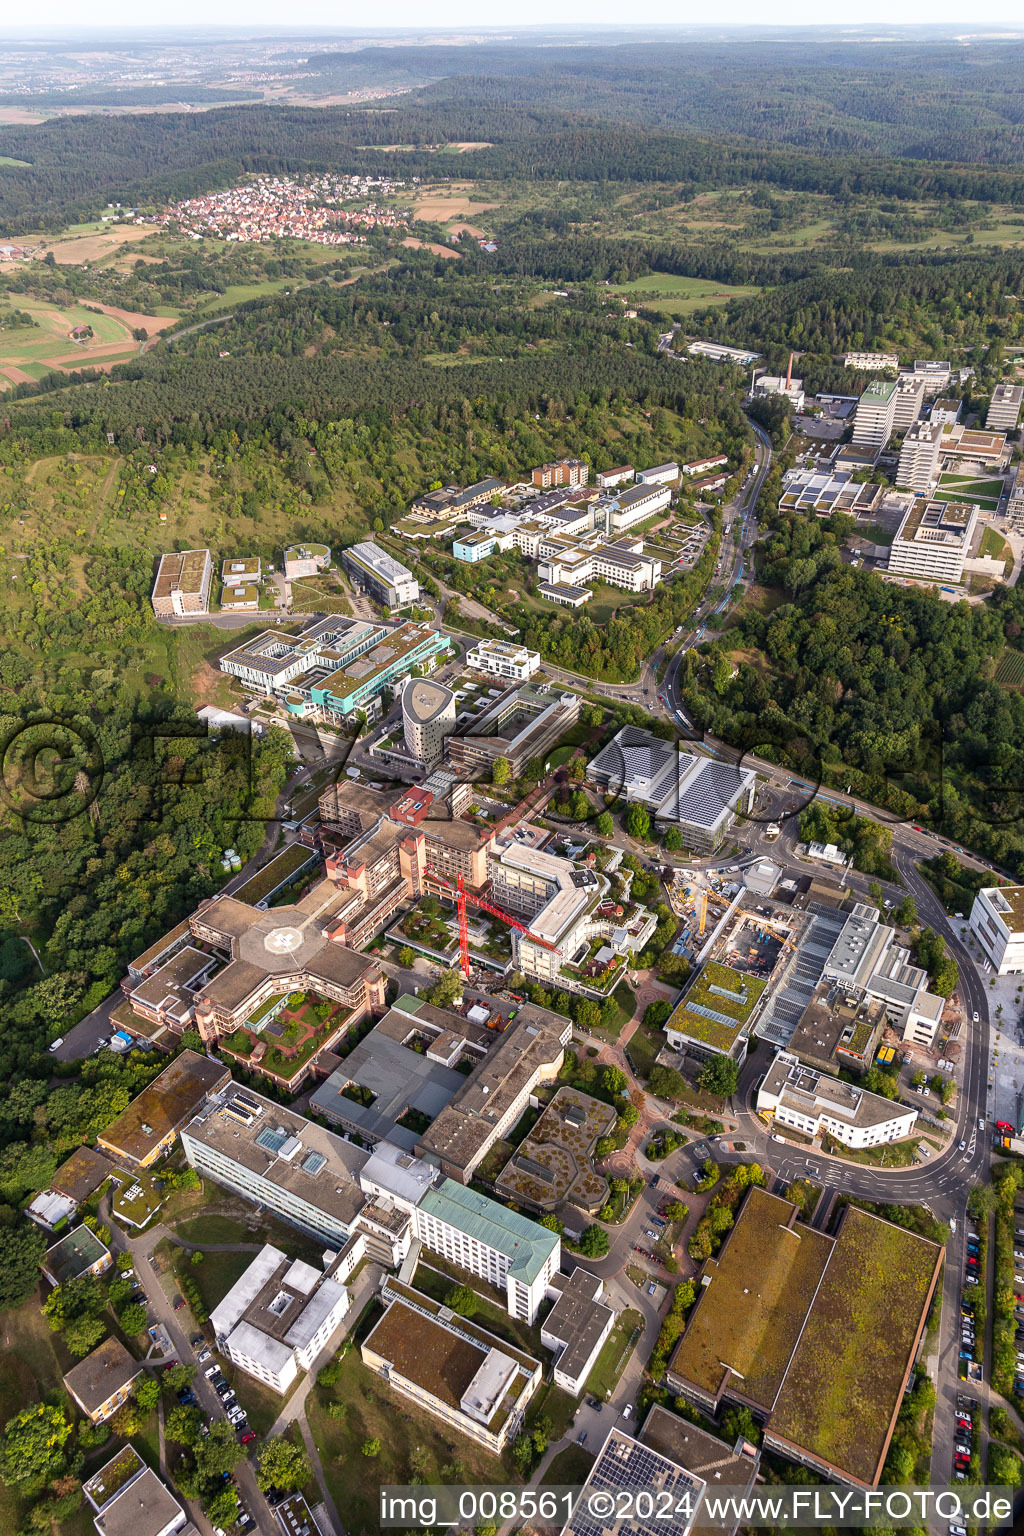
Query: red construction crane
point(462, 896)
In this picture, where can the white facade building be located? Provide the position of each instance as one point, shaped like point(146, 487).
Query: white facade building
point(918, 468)
point(875, 415)
point(660, 474)
point(279, 1315)
point(1004, 409)
point(384, 577)
point(933, 541)
point(997, 922)
point(870, 362)
point(428, 719)
point(499, 658)
point(816, 1104)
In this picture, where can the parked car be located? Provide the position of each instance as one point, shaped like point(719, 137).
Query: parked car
point(244, 1439)
point(581, 1438)
point(204, 1354)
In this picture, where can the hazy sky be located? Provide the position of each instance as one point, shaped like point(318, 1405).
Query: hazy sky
point(472, 13)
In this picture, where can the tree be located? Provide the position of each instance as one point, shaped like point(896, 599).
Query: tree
point(133, 1319)
point(127, 1421)
point(588, 1014)
point(406, 957)
point(719, 1075)
point(371, 1447)
point(446, 990)
point(222, 1508)
point(638, 822)
point(657, 1014)
point(673, 840)
point(675, 1210)
point(605, 824)
point(32, 1447)
point(613, 1080)
point(21, 1253)
point(282, 1464)
point(594, 1242)
point(462, 1299)
point(501, 772)
point(147, 1393)
point(666, 1082)
point(182, 1424)
point(552, 1223)
point(178, 1377)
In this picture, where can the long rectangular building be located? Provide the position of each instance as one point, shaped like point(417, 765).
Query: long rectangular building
point(182, 584)
point(384, 577)
point(933, 541)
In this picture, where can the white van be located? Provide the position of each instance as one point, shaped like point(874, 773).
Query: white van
point(55, 1045)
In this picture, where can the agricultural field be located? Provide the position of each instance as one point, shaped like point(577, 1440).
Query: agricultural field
point(1010, 669)
point(29, 352)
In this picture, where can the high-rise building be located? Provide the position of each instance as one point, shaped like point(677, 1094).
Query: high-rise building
point(876, 412)
point(909, 399)
point(1004, 409)
point(428, 718)
point(933, 541)
point(918, 468)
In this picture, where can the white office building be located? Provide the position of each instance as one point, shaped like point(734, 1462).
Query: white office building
point(1004, 409)
point(280, 1315)
point(384, 577)
point(918, 468)
point(870, 362)
point(777, 384)
point(933, 541)
point(428, 719)
point(816, 1104)
point(875, 415)
point(660, 474)
point(997, 922)
point(499, 658)
point(716, 352)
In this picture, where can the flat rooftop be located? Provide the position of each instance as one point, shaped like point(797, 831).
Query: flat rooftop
point(717, 1005)
point(163, 1107)
point(818, 1333)
point(284, 1148)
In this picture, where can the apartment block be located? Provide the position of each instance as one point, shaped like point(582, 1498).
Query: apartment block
point(817, 1104)
point(608, 479)
point(918, 468)
point(997, 922)
point(1015, 501)
point(704, 466)
point(659, 474)
point(499, 658)
point(875, 415)
point(562, 472)
point(382, 576)
point(182, 584)
point(1004, 408)
point(509, 1251)
point(525, 722)
point(935, 373)
point(870, 362)
point(130, 1500)
point(279, 1315)
point(576, 1327)
point(933, 541)
point(458, 1372)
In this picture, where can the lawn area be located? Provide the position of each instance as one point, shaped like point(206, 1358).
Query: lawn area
point(899, 1154)
point(995, 545)
point(215, 1276)
point(551, 1402)
point(643, 1048)
point(374, 1411)
point(675, 295)
point(212, 1228)
point(615, 1351)
point(32, 1364)
point(568, 1468)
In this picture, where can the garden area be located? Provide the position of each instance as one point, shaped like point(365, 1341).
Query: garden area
point(281, 1043)
point(615, 1351)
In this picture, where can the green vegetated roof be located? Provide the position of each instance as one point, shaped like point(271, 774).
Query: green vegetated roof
point(846, 1381)
point(750, 1315)
point(717, 1005)
point(818, 1332)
